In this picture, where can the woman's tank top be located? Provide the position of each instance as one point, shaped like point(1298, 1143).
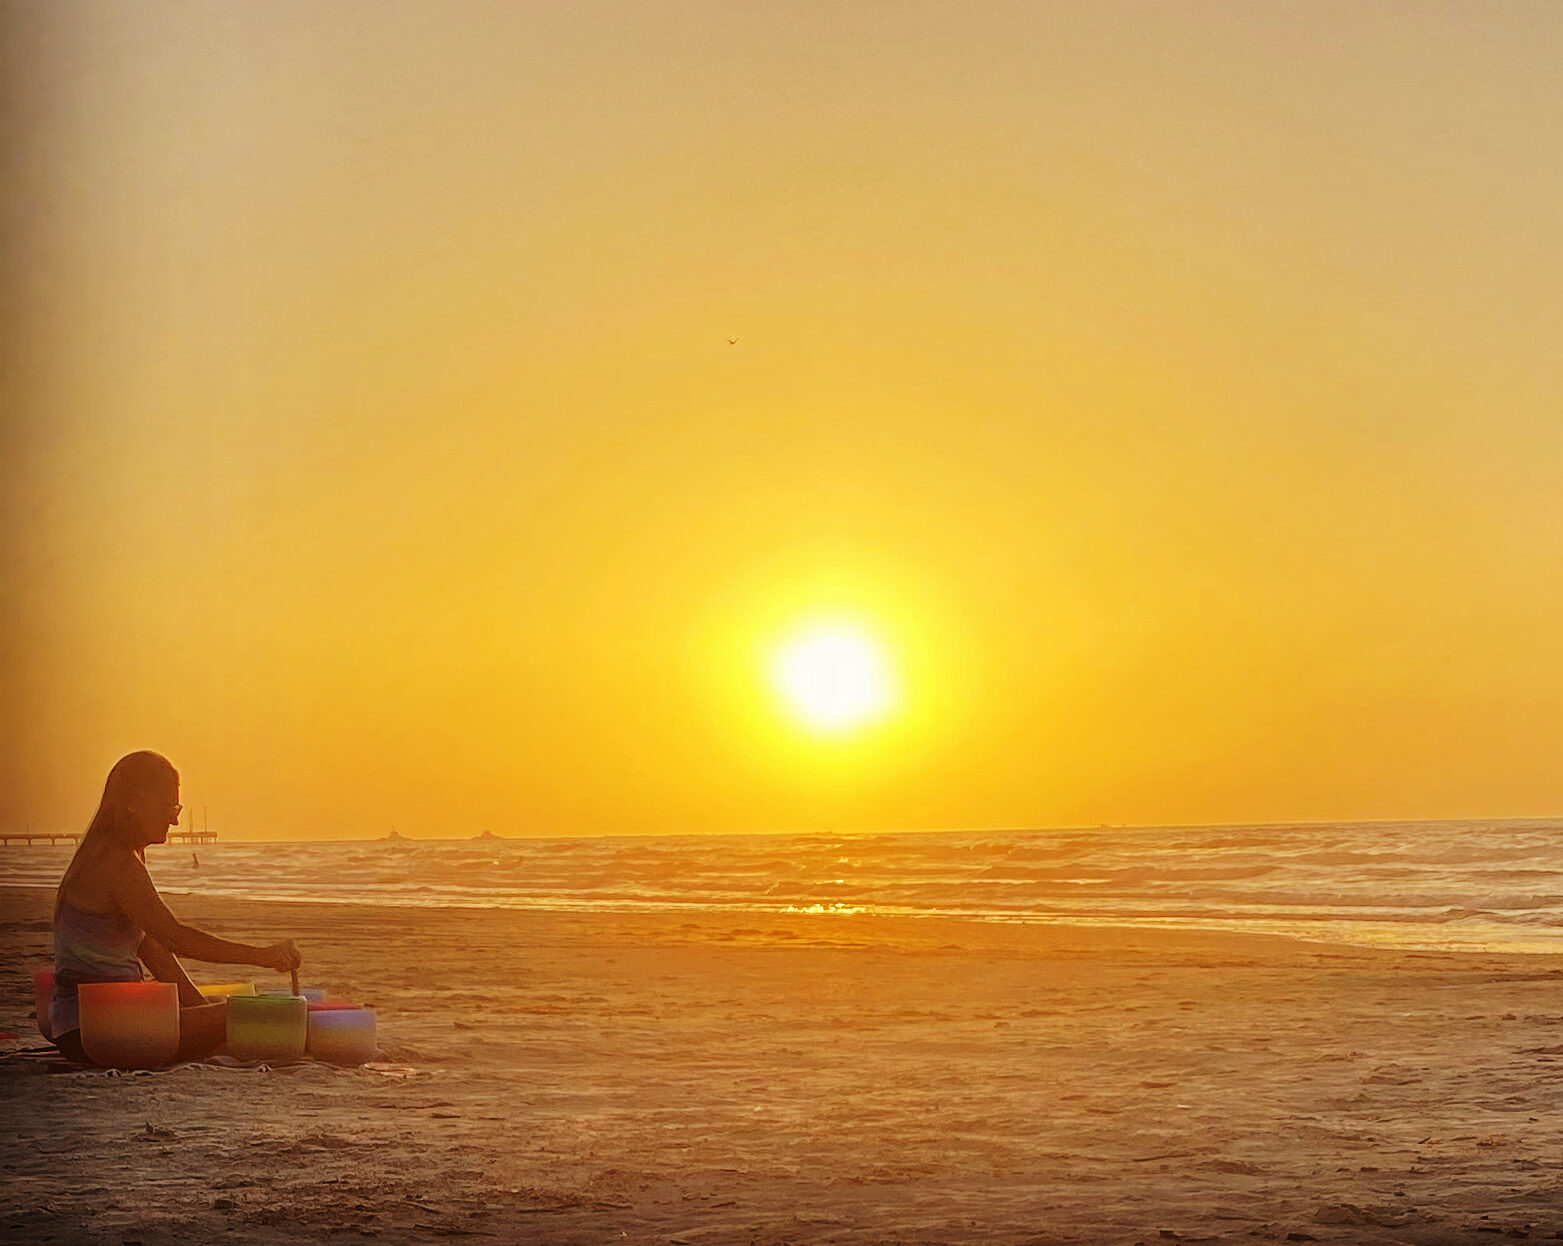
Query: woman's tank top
point(89, 947)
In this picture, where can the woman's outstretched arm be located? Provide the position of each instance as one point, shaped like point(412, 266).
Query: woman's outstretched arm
point(139, 901)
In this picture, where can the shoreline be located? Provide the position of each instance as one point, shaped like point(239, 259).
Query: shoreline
point(1030, 931)
point(818, 1080)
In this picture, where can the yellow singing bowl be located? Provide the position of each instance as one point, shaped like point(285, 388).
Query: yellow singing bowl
point(223, 990)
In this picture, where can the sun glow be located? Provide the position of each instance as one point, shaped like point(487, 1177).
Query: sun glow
point(833, 677)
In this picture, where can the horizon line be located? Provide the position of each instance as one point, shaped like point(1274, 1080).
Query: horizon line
point(936, 830)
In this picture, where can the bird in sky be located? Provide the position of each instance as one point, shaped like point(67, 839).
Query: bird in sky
point(732, 341)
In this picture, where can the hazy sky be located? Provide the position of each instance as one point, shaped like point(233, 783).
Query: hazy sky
point(1174, 389)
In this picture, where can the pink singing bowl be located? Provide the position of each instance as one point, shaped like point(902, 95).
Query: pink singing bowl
point(129, 1025)
point(342, 1035)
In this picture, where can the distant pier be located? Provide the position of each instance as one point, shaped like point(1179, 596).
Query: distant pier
point(70, 837)
point(38, 837)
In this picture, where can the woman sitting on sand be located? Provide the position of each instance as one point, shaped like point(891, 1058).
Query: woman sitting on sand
point(109, 920)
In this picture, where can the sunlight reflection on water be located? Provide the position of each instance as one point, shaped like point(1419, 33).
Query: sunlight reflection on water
point(1494, 886)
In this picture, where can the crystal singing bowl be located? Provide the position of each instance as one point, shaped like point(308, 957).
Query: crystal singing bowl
point(43, 996)
point(342, 1035)
point(129, 1025)
point(223, 990)
point(267, 1027)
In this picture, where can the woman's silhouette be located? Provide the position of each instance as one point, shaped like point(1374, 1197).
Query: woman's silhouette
point(109, 921)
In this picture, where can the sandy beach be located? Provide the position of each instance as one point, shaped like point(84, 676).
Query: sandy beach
point(817, 1079)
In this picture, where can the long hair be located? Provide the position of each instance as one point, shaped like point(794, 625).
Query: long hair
point(113, 823)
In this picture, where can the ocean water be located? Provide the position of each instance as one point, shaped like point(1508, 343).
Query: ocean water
point(1495, 886)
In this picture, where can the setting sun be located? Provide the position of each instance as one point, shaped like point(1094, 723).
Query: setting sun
point(833, 677)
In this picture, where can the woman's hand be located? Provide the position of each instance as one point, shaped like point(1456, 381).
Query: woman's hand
point(283, 957)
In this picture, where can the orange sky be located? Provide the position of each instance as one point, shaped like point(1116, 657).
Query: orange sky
point(1174, 389)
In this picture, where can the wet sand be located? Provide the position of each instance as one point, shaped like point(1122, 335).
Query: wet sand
point(815, 1079)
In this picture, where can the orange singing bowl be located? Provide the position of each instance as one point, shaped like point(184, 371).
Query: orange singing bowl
point(129, 1025)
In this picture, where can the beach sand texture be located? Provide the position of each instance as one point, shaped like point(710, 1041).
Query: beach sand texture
point(815, 1079)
